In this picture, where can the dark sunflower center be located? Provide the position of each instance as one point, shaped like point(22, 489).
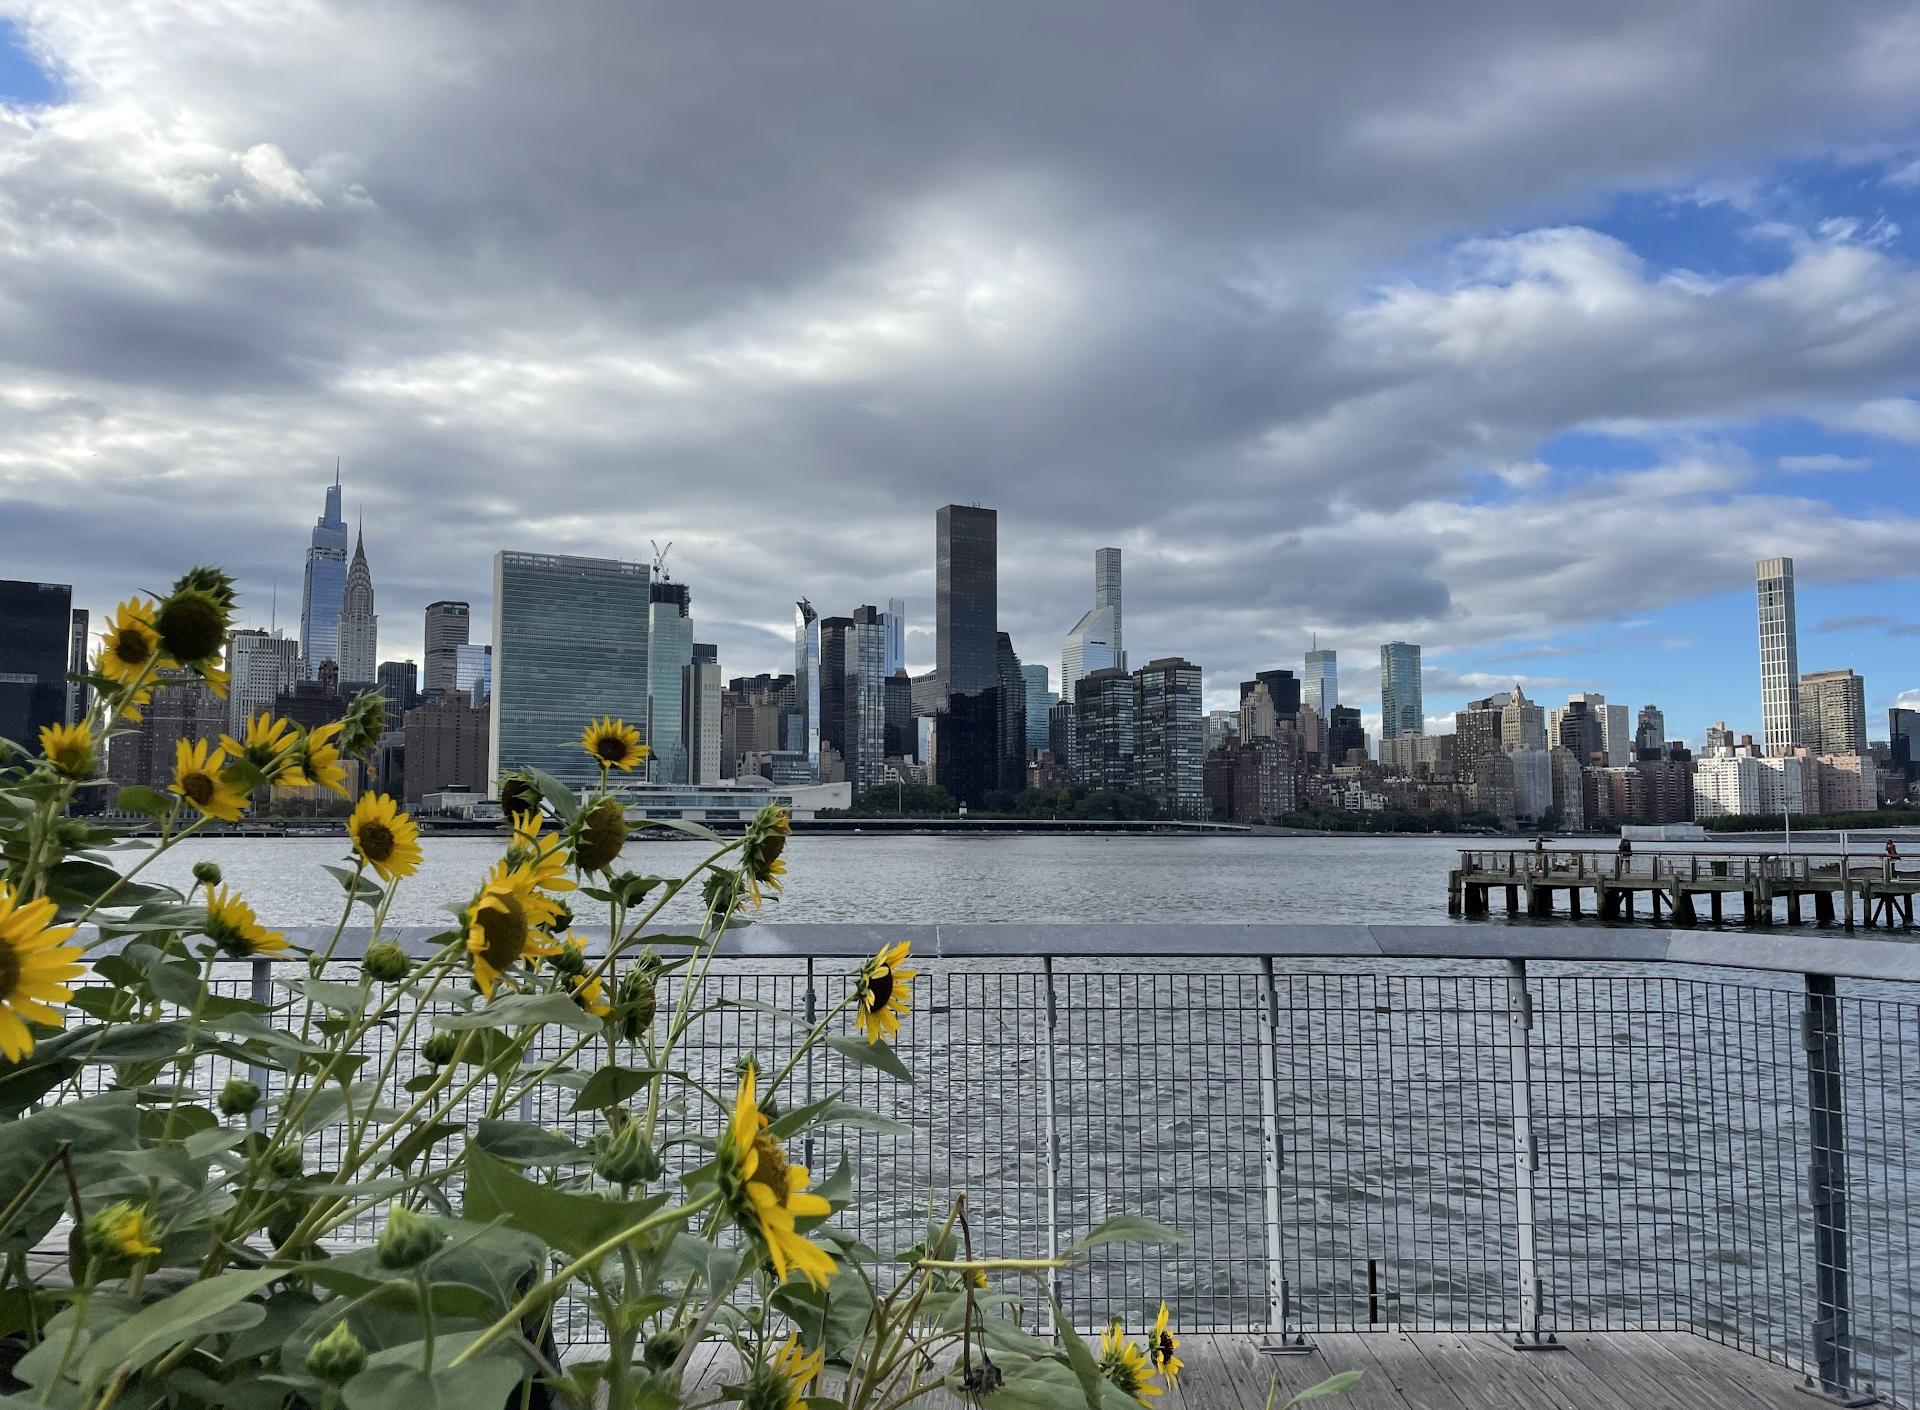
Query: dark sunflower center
point(610, 747)
point(376, 841)
point(505, 932)
point(9, 971)
point(197, 787)
point(130, 645)
point(771, 1170)
point(190, 625)
point(879, 989)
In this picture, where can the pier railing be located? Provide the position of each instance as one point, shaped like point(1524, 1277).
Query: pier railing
point(1668, 865)
point(1445, 1128)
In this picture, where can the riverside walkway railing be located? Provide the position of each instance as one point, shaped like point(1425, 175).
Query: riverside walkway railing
point(1413, 1128)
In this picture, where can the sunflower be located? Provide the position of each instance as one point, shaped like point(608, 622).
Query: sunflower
point(614, 744)
point(130, 652)
point(599, 836)
point(385, 838)
point(317, 757)
point(501, 924)
point(202, 778)
point(761, 848)
point(232, 925)
point(765, 1194)
point(35, 963)
point(587, 992)
point(121, 1230)
point(545, 857)
point(784, 1380)
point(1163, 1349)
point(271, 747)
point(1124, 1364)
point(69, 748)
point(192, 626)
point(883, 992)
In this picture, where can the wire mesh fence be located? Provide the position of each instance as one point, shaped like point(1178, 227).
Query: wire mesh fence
point(1338, 1140)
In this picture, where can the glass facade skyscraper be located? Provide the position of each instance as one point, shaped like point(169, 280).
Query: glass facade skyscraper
point(1320, 685)
point(966, 738)
point(669, 655)
point(895, 618)
point(569, 645)
point(1401, 708)
point(447, 626)
point(1779, 654)
point(35, 622)
point(323, 586)
point(1040, 703)
point(806, 683)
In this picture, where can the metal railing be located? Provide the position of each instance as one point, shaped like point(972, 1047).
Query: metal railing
point(1459, 1127)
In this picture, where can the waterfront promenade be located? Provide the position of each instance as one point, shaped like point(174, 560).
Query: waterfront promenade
point(1689, 1157)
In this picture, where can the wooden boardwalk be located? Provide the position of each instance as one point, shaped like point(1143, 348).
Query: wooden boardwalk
point(1450, 1371)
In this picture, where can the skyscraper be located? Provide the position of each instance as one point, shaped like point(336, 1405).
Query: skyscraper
point(1779, 654)
point(866, 697)
point(1283, 690)
point(569, 645)
point(669, 654)
point(399, 683)
point(1401, 708)
point(895, 619)
point(1105, 742)
point(36, 621)
point(1650, 734)
point(359, 628)
point(1013, 716)
point(1903, 741)
point(1040, 703)
point(836, 683)
point(261, 667)
point(1172, 733)
point(1320, 686)
point(1095, 641)
point(79, 693)
point(701, 714)
point(1833, 712)
point(966, 739)
point(324, 586)
point(806, 682)
point(447, 626)
point(473, 671)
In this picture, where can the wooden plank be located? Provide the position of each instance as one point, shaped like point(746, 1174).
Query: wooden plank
point(1237, 1368)
point(1733, 1378)
point(1393, 1359)
point(1493, 1375)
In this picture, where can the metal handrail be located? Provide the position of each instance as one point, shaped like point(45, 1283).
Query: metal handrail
point(1890, 960)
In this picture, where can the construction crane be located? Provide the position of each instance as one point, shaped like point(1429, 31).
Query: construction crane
point(660, 559)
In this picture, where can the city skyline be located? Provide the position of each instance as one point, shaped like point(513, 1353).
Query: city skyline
point(1540, 417)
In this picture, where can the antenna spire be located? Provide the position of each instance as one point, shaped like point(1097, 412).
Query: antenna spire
point(336, 472)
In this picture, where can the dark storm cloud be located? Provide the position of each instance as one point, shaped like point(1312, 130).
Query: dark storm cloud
point(774, 282)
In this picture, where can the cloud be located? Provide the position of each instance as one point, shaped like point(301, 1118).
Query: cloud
point(1825, 463)
point(775, 287)
point(1894, 418)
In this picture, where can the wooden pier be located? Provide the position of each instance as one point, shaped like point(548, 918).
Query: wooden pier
point(1689, 888)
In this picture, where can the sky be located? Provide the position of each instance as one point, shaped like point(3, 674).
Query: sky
point(1515, 330)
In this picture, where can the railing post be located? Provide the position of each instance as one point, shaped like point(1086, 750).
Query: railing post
point(812, 1001)
point(1272, 1157)
point(1052, 1125)
point(1531, 1334)
point(1832, 1329)
point(261, 993)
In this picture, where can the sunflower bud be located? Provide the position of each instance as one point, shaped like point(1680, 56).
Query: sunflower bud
point(663, 1350)
point(603, 832)
point(120, 1231)
point(363, 724)
point(439, 1048)
point(238, 1097)
point(623, 1157)
point(205, 578)
point(570, 959)
point(562, 920)
point(338, 1356)
point(722, 887)
point(207, 873)
point(408, 1240)
point(386, 962)
point(638, 1000)
point(285, 1162)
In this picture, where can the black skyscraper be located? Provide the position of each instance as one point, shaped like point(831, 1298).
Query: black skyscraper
point(35, 622)
point(835, 701)
point(1282, 686)
point(1013, 717)
point(966, 653)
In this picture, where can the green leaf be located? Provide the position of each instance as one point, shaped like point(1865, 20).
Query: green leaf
point(523, 1143)
point(522, 1011)
point(834, 1112)
point(138, 799)
point(355, 884)
point(161, 1326)
point(420, 1140)
point(692, 829)
point(77, 882)
point(571, 1223)
point(1340, 1383)
point(612, 1085)
point(1128, 1229)
point(484, 1382)
point(832, 1317)
point(562, 798)
point(1041, 1384)
point(347, 999)
point(875, 1055)
point(1079, 1356)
